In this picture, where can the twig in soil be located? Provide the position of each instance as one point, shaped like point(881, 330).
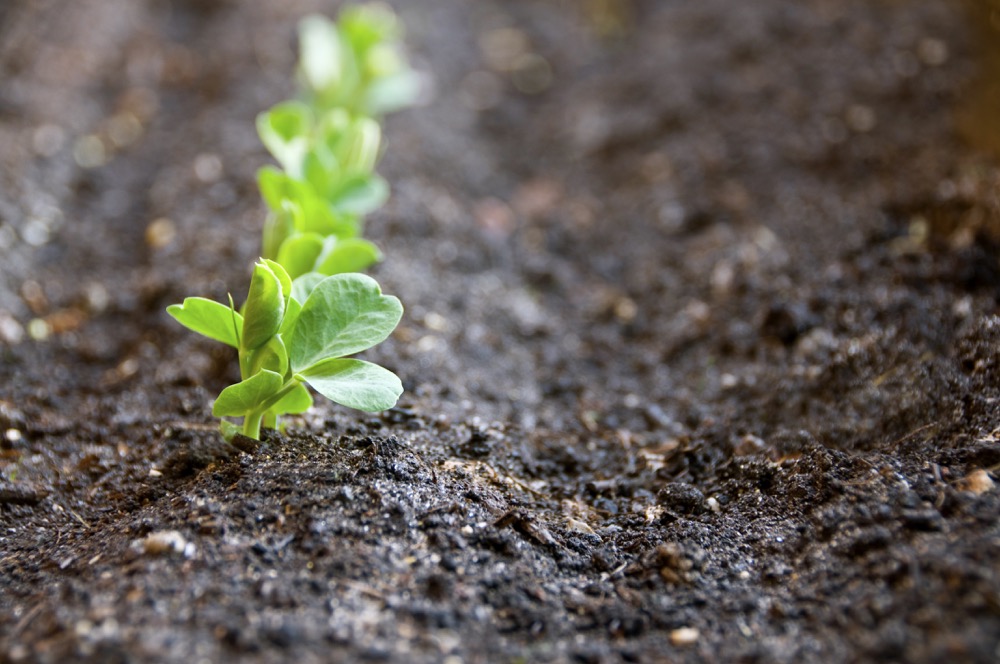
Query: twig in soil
point(506, 473)
point(26, 619)
point(524, 524)
point(60, 508)
point(615, 572)
point(913, 433)
point(78, 518)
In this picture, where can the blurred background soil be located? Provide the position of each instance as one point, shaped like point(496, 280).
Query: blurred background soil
point(701, 343)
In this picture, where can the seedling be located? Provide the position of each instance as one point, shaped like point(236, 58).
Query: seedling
point(293, 333)
point(328, 184)
point(357, 63)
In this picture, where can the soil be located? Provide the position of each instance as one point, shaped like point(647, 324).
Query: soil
point(701, 344)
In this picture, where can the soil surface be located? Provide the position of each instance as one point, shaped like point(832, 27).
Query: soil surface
point(701, 343)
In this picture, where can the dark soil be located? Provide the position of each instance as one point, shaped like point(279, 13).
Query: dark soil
point(701, 344)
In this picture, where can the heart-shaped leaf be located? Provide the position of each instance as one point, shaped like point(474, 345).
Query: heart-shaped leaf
point(354, 383)
point(344, 314)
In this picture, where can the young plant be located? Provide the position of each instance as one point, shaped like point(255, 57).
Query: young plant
point(328, 183)
point(356, 63)
point(293, 333)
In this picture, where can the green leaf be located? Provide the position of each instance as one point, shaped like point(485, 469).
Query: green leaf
point(303, 286)
point(277, 227)
point(299, 253)
point(344, 314)
point(292, 311)
point(276, 186)
point(359, 194)
point(320, 60)
point(303, 205)
point(354, 383)
point(360, 146)
point(248, 395)
point(322, 171)
point(392, 93)
point(314, 215)
point(294, 403)
point(271, 356)
point(264, 308)
point(352, 255)
point(208, 318)
point(284, 279)
point(285, 131)
point(382, 61)
point(364, 26)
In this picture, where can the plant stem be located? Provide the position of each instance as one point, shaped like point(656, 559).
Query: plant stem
point(252, 420)
point(251, 424)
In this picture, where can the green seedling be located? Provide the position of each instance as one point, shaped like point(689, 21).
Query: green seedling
point(357, 63)
point(304, 234)
point(293, 333)
point(327, 185)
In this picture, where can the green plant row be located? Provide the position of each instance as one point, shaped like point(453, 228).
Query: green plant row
point(308, 309)
point(327, 142)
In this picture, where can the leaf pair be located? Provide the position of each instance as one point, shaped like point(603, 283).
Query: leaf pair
point(332, 143)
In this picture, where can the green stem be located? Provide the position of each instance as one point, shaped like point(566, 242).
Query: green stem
point(244, 364)
point(251, 424)
point(252, 420)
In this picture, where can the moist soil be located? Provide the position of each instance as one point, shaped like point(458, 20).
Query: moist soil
point(700, 352)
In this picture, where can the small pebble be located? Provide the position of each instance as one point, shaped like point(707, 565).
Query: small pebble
point(750, 444)
point(164, 542)
point(685, 636)
point(978, 482)
point(38, 329)
point(579, 526)
point(160, 233)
